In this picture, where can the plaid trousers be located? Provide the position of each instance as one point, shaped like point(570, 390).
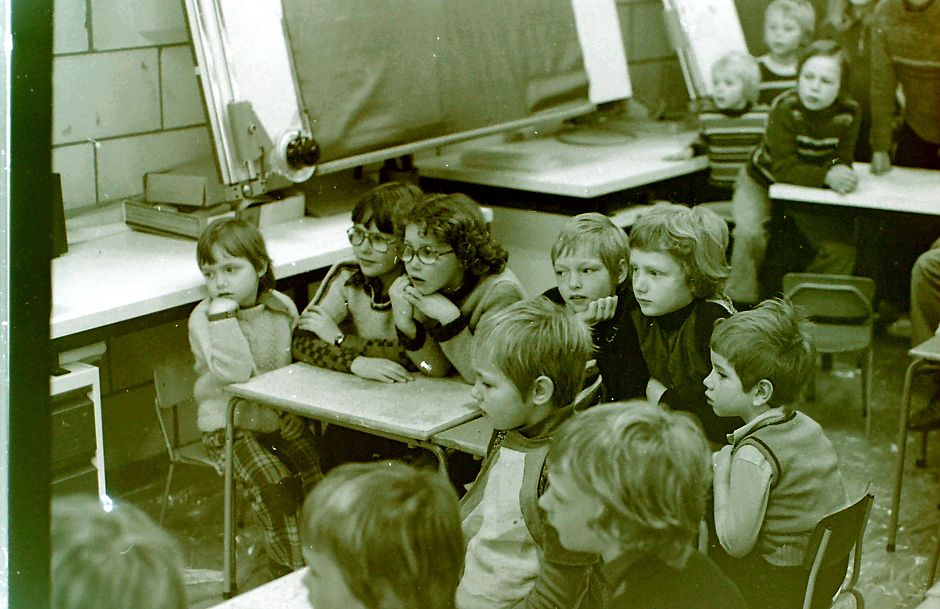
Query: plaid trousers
point(276, 473)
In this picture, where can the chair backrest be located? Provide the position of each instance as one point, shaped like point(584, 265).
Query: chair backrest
point(845, 299)
point(173, 378)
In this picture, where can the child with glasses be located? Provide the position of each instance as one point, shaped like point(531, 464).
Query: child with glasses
point(348, 325)
point(456, 277)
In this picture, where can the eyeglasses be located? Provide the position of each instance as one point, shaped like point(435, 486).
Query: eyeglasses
point(425, 254)
point(377, 241)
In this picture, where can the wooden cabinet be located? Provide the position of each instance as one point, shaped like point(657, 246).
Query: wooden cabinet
point(77, 448)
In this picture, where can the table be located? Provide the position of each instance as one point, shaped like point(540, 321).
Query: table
point(547, 165)
point(904, 189)
point(410, 412)
point(287, 592)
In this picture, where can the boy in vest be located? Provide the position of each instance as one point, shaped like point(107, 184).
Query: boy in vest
point(529, 360)
point(780, 475)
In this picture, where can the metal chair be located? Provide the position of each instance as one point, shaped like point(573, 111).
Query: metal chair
point(832, 540)
point(173, 379)
point(839, 308)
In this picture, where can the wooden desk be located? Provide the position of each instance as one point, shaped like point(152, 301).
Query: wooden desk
point(915, 191)
point(547, 165)
point(413, 411)
point(287, 592)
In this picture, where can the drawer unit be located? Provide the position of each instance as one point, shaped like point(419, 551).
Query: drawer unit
point(77, 446)
point(73, 431)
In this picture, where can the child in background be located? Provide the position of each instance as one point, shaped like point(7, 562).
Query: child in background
point(590, 258)
point(677, 266)
point(789, 25)
point(780, 475)
point(382, 536)
point(810, 141)
point(241, 330)
point(529, 360)
point(629, 482)
point(112, 559)
point(348, 326)
point(456, 278)
point(729, 126)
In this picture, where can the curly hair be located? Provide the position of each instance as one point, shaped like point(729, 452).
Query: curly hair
point(455, 219)
point(386, 205)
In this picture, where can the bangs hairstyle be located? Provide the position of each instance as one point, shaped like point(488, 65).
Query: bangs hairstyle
point(767, 342)
point(650, 469)
point(392, 530)
point(387, 205)
point(594, 234)
point(743, 67)
point(455, 219)
point(829, 48)
point(112, 560)
point(696, 237)
point(800, 11)
point(239, 239)
point(537, 337)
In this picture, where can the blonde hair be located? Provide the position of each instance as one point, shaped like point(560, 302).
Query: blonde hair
point(696, 237)
point(117, 559)
point(744, 67)
point(800, 11)
point(392, 530)
point(649, 467)
point(537, 337)
point(767, 342)
point(595, 233)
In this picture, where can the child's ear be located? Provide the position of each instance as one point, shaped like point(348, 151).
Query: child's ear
point(763, 391)
point(543, 390)
point(624, 270)
point(261, 271)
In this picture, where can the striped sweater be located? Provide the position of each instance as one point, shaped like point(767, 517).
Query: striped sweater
point(801, 146)
point(729, 137)
point(773, 81)
point(905, 51)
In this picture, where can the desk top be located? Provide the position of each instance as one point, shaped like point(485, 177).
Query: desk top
point(287, 592)
point(130, 274)
point(550, 166)
point(416, 410)
point(905, 189)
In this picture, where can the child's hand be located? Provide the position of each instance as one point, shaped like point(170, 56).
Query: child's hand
point(654, 390)
point(842, 179)
point(402, 309)
point(434, 306)
point(680, 155)
point(880, 162)
point(220, 306)
point(292, 427)
point(315, 320)
point(380, 369)
point(599, 310)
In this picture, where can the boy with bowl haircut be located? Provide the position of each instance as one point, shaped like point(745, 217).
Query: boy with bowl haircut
point(780, 474)
point(590, 258)
point(629, 481)
point(529, 360)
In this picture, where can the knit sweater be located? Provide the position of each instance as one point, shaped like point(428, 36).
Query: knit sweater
point(729, 137)
point(233, 350)
point(801, 145)
point(905, 51)
point(772, 81)
point(364, 315)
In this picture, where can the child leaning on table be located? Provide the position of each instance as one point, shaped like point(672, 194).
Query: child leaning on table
point(780, 475)
point(590, 258)
point(241, 330)
point(629, 481)
point(382, 536)
point(810, 141)
point(677, 269)
point(529, 360)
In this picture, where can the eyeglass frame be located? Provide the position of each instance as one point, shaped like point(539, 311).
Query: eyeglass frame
point(386, 241)
point(435, 254)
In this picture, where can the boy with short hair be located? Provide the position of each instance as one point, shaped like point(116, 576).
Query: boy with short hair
point(590, 258)
point(382, 535)
point(629, 481)
point(789, 26)
point(780, 475)
point(529, 360)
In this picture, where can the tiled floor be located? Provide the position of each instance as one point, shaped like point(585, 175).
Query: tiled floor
point(888, 580)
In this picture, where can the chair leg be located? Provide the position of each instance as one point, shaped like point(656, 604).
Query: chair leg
point(867, 364)
point(811, 386)
point(922, 459)
point(902, 449)
point(859, 599)
point(166, 491)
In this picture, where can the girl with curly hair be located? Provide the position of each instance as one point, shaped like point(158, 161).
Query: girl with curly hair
point(456, 276)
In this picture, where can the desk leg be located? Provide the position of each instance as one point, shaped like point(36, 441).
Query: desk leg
point(228, 568)
point(902, 449)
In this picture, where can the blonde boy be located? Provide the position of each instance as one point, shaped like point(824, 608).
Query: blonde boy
point(382, 535)
point(629, 481)
point(529, 360)
point(590, 258)
point(789, 26)
point(780, 474)
point(677, 268)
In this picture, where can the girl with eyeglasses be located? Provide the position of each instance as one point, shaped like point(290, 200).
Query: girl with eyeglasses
point(456, 275)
